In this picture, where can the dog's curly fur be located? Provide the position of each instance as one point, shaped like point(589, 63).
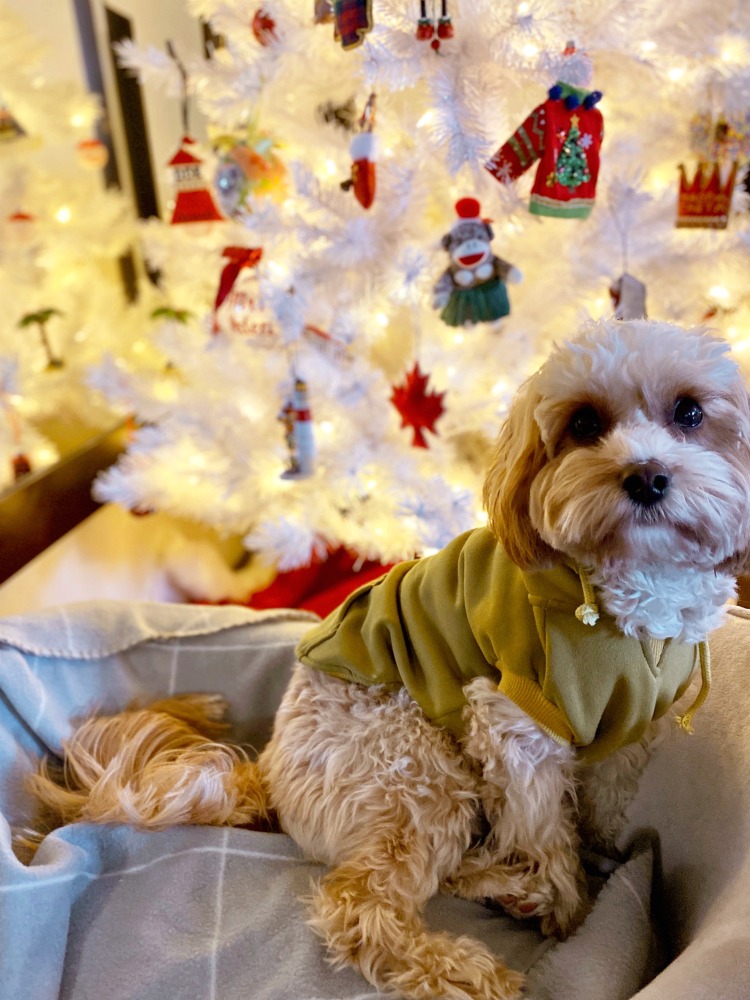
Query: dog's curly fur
point(397, 807)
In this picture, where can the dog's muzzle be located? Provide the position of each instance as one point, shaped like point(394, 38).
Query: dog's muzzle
point(646, 483)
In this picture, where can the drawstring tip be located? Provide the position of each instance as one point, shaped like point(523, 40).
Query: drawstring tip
point(588, 614)
point(684, 722)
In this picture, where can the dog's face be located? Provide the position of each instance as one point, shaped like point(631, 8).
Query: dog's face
point(631, 443)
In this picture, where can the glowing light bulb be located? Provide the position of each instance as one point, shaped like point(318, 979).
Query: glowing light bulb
point(530, 50)
point(427, 118)
point(331, 167)
point(381, 319)
point(371, 484)
point(523, 9)
point(719, 292)
point(78, 120)
point(63, 214)
point(326, 427)
point(676, 73)
point(459, 338)
point(648, 46)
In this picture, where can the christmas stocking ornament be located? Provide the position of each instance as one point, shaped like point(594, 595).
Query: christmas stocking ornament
point(565, 134)
point(364, 154)
point(472, 288)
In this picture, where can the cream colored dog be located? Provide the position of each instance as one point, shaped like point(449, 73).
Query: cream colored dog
point(624, 471)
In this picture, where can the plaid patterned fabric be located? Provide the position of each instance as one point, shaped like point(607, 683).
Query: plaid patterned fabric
point(205, 913)
point(353, 21)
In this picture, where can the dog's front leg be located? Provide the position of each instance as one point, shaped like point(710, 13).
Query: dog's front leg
point(529, 861)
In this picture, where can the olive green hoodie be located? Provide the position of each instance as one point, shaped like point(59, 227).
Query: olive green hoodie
point(432, 625)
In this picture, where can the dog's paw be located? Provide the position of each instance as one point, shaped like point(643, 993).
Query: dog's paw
point(550, 889)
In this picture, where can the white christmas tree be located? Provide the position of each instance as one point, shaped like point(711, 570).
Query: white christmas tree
point(61, 234)
point(420, 118)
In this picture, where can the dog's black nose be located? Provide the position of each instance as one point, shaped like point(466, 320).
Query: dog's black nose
point(646, 482)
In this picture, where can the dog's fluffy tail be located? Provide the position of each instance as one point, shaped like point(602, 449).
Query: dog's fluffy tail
point(154, 767)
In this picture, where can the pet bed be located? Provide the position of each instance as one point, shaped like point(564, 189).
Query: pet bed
point(198, 913)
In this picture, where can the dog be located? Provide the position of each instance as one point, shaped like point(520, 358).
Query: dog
point(452, 725)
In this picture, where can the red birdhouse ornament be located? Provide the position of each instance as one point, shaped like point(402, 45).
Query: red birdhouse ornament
point(193, 200)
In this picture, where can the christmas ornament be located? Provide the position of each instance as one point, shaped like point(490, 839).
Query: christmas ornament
point(193, 201)
point(323, 11)
point(247, 165)
point(9, 127)
point(40, 320)
point(20, 462)
point(353, 20)
point(364, 153)
point(263, 27)
point(705, 201)
point(565, 134)
point(419, 408)
point(628, 297)
point(726, 138)
point(335, 350)
point(21, 465)
point(174, 315)
point(21, 233)
point(427, 30)
point(237, 308)
point(343, 116)
point(472, 288)
point(92, 154)
point(298, 430)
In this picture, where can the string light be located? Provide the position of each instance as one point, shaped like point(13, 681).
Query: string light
point(63, 214)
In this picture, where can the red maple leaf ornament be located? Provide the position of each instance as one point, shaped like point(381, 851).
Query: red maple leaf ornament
point(418, 407)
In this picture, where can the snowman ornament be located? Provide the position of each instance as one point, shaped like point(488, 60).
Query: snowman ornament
point(473, 287)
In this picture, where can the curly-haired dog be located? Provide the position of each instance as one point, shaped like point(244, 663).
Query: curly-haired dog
point(443, 727)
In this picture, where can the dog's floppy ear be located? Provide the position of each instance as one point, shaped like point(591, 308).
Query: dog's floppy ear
point(738, 564)
point(519, 455)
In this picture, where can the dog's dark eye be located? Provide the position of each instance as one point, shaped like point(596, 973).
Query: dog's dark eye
point(585, 424)
point(687, 413)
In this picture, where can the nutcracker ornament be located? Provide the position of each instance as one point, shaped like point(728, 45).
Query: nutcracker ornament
point(565, 134)
point(296, 419)
point(364, 154)
point(431, 29)
point(472, 289)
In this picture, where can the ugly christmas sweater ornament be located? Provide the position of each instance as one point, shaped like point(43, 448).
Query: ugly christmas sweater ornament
point(364, 154)
point(353, 20)
point(565, 134)
point(472, 289)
